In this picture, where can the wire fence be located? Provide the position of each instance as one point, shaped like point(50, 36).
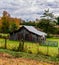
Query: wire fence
point(50, 43)
point(51, 47)
point(47, 48)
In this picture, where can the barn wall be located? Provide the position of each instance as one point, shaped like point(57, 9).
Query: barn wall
point(19, 34)
point(13, 36)
point(23, 33)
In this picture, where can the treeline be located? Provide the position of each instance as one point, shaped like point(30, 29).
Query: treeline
point(47, 23)
point(44, 25)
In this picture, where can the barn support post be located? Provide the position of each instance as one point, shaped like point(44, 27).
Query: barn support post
point(37, 38)
point(23, 40)
point(22, 44)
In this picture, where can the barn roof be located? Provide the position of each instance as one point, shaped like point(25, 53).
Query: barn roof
point(34, 30)
point(31, 29)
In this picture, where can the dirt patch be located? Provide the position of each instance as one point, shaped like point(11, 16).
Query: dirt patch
point(5, 55)
point(6, 59)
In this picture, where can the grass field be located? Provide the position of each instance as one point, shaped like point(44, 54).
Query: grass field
point(32, 47)
point(53, 39)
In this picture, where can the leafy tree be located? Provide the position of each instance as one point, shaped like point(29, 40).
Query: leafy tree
point(47, 23)
point(13, 27)
point(30, 23)
point(5, 27)
point(57, 20)
point(50, 16)
point(46, 26)
point(5, 22)
point(8, 22)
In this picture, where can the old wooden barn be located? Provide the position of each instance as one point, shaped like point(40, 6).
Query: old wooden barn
point(28, 33)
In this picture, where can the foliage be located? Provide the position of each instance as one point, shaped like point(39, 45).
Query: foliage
point(13, 27)
point(5, 27)
point(47, 22)
point(46, 26)
point(30, 23)
point(5, 23)
point(57, 20)
point(8, 23)
point(57, 30)
point(48, 14)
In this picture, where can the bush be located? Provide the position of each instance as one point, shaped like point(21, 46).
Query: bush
point(49, 36)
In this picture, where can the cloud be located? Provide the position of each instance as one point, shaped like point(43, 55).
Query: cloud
point(28, 9)
point(50, 0)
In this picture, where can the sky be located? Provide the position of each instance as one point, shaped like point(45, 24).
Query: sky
point(28, 9)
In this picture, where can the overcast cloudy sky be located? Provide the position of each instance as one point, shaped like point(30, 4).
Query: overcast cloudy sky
point(28, 9)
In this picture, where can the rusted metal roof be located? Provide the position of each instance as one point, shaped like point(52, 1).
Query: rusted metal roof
point(34, 30)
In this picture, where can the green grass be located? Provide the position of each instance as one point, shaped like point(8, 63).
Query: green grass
point(39, 57)
point(32, 47)
point(10, 44)
point(35, 48)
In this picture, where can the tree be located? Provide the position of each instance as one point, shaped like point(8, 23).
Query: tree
point(6, 14)
point(47, 23)
point(50, 16)
point(5, 27)
point(8, 22)
point(46, 26)
point(30, 23)
point(5, 23)
point(13, 27)
point(57, 20)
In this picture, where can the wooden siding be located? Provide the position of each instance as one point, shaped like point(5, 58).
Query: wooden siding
point(23, 33)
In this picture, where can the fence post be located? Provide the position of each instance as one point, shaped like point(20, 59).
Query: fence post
point(47, 49)
point(58, 51)
point(5, 42)
point(38, 48)
point(21, 45)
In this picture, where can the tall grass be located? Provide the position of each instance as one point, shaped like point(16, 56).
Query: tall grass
point(30, 47)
